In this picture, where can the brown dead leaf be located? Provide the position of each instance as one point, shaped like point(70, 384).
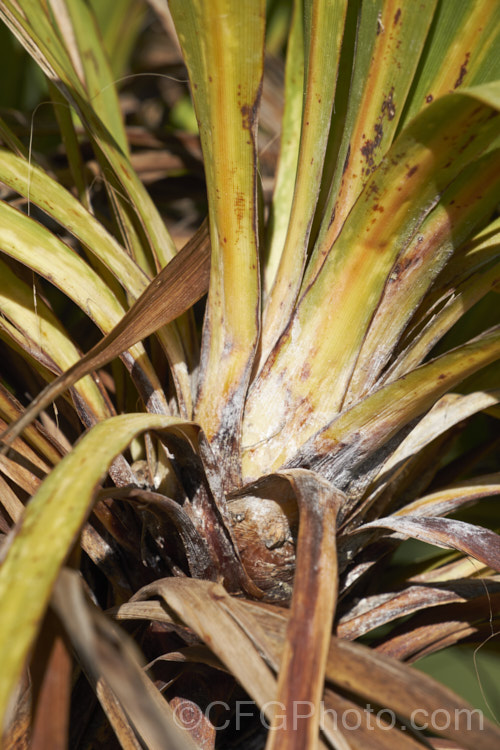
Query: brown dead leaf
point(470, 539)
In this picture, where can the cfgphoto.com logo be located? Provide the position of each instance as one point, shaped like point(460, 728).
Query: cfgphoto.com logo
point(222, 715)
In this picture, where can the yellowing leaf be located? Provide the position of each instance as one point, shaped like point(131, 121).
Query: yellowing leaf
point(47, 533)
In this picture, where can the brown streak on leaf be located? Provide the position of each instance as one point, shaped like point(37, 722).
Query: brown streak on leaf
point(249, 112)
point(463, 72)
point(346, 164)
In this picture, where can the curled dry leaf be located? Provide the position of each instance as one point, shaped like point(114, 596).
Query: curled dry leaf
point(475, 541)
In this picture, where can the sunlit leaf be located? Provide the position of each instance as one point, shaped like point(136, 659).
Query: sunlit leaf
point(49, 529)
point(32, 25)
point(223, 46)
point(32, 182)
point(462, 50)
point(44, 338)
point(339, 449)
point(181, 283)
point(32, 244)
point(331, 321)
point(281, 206)
point(390, 38)
point(323, 28)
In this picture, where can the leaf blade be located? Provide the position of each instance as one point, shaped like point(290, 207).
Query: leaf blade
point(223, 46)
point(49, 527)
point(318, 352)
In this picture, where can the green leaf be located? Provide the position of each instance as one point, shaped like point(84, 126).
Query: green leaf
point(340, 447)
point(32, 182)
point(119, 24)
point(281, 206)
point(319, 350)
point(78, 28)
point(389, 41)
point(463, 206)
point(463, 49)
point(176, 288)
point(323, 29)
point(223, 47)
point(464, 281)
point(33, 245)
point(42, 335)
point(449, 411)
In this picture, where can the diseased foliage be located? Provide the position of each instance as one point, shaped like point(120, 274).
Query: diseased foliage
point(229, 478)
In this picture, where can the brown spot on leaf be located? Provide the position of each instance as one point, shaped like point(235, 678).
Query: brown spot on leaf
point(388, 106)
point(305, 372)
point(429, 98)
point(239, 206)
point(397, 16)
point(246, 114)
point(372, 189)
point(388, 110)
point(412, 171)
point(217, 597)
point(332, 217)
point(404, 264)
point(369, 148)
point(463, 71)
point(249, 113)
